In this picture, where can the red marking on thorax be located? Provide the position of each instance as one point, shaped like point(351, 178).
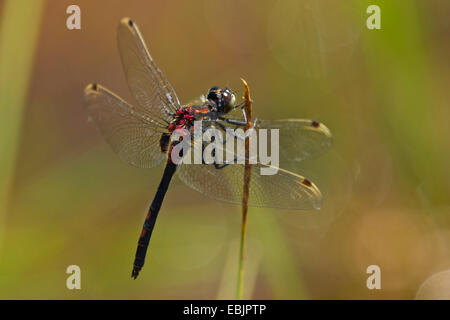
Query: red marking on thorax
point(202, 111)
point(183, 118)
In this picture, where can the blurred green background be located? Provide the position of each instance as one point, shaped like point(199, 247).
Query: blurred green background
point(66, 198)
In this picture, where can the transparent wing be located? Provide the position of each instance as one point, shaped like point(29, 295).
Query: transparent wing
point(147, 83)
point(299, 139)
point(130, 131)
point(282, 190)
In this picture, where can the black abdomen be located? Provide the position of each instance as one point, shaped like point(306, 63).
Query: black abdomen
point(164, 142)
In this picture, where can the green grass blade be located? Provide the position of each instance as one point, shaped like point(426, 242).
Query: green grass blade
point(19, 30)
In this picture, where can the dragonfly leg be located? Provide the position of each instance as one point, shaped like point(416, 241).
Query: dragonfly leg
point(226, 163)
point(233, 133)
point(236, 122)
point(218, 166)
point(224, 128)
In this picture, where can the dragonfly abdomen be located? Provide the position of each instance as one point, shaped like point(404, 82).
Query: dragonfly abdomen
point(149, 224)
point(164, 142)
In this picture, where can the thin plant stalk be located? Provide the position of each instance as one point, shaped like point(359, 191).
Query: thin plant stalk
point(19, 31)
point(245, 194)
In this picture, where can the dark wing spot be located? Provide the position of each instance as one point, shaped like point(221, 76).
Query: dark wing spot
point(315, 124)
point(306, 182)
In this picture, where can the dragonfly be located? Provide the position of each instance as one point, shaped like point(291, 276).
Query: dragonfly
point(141, 135)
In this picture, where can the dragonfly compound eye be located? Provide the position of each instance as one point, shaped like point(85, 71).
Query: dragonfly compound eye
point(229, 100)
point(215, 95)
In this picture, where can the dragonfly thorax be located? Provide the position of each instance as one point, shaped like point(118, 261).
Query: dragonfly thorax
point(184, 118)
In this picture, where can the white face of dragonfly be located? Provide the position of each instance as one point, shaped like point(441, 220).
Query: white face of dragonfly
point(232, 101)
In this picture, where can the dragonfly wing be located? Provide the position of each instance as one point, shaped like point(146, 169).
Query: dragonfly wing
point(132, 134)
point(281, 190)
point(299, 139)
point(145, 80)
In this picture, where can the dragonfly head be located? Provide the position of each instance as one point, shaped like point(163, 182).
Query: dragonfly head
point(223, 100)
